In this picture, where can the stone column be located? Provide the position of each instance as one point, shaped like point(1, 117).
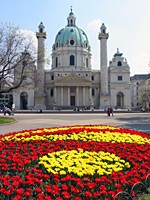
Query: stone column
point(90, 93)
point(77, 96)
point(103, 37)
point(40, 72)
point(104, 93)
point(104, 69)
point(68, 96)
point(83, 96)
point(62, 96)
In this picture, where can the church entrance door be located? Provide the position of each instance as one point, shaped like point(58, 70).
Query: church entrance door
point(24, 101)
point(120, 100)
point(72, 100)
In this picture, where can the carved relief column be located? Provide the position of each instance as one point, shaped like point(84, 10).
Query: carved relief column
point(83, 96)
point(62, 96)
point(68, 96)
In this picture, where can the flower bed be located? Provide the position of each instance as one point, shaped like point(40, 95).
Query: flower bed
point(75, 163)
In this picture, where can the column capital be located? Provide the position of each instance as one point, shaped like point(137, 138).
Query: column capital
point(103, 36)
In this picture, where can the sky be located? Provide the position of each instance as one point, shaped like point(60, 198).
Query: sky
point(127, 22)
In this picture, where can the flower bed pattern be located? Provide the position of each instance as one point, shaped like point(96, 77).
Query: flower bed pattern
point(75, 163)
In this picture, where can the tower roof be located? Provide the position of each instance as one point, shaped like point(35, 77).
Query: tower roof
point(71, 12)
point(118, 54)
point(41, 25)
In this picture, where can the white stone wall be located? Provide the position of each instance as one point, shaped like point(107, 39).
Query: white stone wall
point(16, 98)
point(119, 86)
point(63, 54)
point(126, 92)
point(125, 76)
point(134, 90)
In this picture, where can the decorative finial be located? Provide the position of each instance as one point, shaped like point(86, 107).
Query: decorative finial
point(71, 9)
point(118, 54)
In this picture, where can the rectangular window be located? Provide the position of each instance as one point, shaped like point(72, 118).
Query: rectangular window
point(119, 78)
point(92, 78)
point(51, 92)
point(93, 92)
point(52, 77)
point(72, 89)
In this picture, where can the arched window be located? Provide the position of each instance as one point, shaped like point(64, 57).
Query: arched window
point(104, 31)
point(41, 30)
point(71, 60)
point(87, 62)
point(119, 63)
point(56, 62)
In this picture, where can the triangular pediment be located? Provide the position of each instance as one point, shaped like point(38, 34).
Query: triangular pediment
point(72, 79)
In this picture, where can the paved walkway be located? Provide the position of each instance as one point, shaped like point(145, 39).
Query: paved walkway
point(137, 121)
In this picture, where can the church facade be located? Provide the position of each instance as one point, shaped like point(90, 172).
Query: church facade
point(72, 82)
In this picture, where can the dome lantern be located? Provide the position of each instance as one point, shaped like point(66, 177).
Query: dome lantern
point(71, 19)
point(103, 28)
point(41, 27)
point(71, 35)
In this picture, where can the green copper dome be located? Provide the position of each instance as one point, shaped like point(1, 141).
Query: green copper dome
point(71, 34)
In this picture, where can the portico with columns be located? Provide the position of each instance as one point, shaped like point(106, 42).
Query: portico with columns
point(72, 91)
point(68, 96)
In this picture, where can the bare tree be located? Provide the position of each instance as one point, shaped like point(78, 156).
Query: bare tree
point(17, 55)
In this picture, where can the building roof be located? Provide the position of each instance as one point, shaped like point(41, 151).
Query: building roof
point(118, 54)
point(140, 77)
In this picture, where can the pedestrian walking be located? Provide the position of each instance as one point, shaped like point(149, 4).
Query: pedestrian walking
point(8, 111)
point(4, 109)
point(108, 112)
point(111, 111)
point(13, 108)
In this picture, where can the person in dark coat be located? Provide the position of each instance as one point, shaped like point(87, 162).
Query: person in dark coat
point(111, 111)
point(108, 112)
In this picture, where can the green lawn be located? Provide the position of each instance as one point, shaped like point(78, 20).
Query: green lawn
point(5, 120)
point(145, 197)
